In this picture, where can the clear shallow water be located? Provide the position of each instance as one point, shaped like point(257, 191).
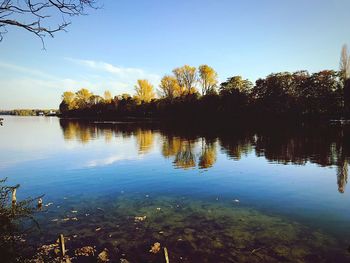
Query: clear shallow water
point(290, 183)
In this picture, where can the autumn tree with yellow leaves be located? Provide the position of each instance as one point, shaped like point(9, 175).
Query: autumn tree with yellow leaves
point(208, 78)
point(186, 77)
point(169, 87)
point(144, 91)
point(107, 96)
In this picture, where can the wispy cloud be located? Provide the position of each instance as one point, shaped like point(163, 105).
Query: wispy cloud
point(32, 88)
point(25, 70)
point(123, 73)
point(110, 160)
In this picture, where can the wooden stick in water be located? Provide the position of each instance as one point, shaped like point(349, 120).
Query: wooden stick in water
point(166, 255)
point(63, 247)
point(14, 198)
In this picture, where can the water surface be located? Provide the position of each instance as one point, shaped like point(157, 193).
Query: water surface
point(212, 194)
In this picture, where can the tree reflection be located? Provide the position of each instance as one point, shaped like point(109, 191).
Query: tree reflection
point(171, 146)
point(208, 155)
point(144, 140)
point(323, 145)
point(342, 175)
point(184, 157)
point(75, 131)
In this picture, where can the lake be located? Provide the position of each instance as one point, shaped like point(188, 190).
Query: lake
point(242, 193)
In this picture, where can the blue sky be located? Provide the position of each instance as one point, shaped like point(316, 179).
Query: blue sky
point(125, 40)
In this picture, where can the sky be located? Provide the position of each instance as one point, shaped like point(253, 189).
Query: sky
point(125, 40)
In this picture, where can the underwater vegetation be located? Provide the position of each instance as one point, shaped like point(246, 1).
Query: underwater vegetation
point(137, 228)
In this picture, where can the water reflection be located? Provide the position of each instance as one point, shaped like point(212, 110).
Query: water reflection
point(323, 145)
point(145, 140)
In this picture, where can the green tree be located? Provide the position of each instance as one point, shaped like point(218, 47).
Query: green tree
point(236, 83)
point(144, 90)
point(207, 78)
point(347, 96)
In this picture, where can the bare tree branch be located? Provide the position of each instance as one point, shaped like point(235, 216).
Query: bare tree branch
point(35, 15)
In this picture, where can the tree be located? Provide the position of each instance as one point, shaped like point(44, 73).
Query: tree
point(83, 97)
point(347, 96)
point(38, 16)
point(125, 96)
point(207, 78)
point(144, 90)
point(95, 99)
point(169, 87)
point(107, 96)
point(186, 77)
point(344, 65)
point(68, 97)
point(68, 101)
point(323, 93)
point(236, 83)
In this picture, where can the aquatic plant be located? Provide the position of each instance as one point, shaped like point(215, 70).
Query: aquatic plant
point(13, 215)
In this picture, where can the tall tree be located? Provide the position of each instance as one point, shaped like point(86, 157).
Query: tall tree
point(107, 96)
point(207, 78)
point(83, 97)
point(169, 87)
point(236, 83)
point(68, 101)
point(68, 97)
point(344, 65)
point(39, 16)
point(144, 90)
point(186, 77)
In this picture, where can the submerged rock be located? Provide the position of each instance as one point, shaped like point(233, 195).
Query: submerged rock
point(85, 251)
point(155, 248)
point(140, 218)
point(103, 256)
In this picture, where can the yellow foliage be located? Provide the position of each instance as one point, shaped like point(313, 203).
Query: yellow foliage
point(170, 88)
point(207, 78)
point(144, 90)
point(107, 96)
point(186, 76)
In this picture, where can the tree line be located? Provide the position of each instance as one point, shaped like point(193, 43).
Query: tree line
point(191, 92)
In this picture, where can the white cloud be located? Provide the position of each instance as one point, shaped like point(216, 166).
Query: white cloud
point(123, 73)
point(33, 88)
point(110, 160)
point(28, 71)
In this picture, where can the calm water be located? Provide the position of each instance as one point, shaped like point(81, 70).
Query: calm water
point(238, 194)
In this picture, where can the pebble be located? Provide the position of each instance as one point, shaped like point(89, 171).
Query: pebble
point(140, 218)
point(103, 256)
